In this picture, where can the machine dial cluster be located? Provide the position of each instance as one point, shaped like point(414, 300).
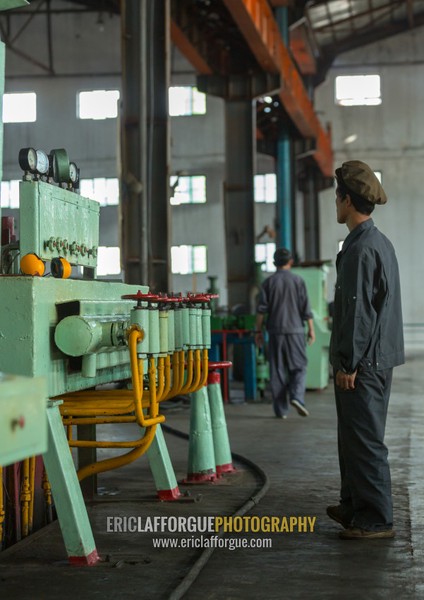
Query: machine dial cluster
point(54, 167)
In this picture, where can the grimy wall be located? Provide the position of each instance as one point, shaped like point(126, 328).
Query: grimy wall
point(390, 138)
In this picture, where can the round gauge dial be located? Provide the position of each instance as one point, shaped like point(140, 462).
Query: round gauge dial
point(28, 159)
point(73, 173)
point(60, 163)
point(42, 162)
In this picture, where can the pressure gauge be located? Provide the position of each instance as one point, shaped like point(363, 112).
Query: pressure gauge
point(73, 174)
point(59, 162)
point(28, 159)
point(42, 167)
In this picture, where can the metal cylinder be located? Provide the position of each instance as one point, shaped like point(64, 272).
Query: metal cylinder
point(77, 336)
point(154, 335)
point(185, 326)
point(140, 316)
point(206, 327)
point(163, 332)
point(178, 322)
point(193, 327)
point(171, 331)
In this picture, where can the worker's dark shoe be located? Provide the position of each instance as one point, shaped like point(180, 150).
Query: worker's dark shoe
point(354, 533)
point(301, 408)
point(337, 514)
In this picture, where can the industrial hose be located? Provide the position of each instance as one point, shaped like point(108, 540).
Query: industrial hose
point(193, 573)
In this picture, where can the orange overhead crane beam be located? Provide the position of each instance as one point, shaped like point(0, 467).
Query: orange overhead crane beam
point(189, 50)
point(259, 27)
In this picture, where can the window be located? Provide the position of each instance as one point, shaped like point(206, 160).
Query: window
point(104, 191)
point(10, 194)
point(188, 190)
point(20, 108)
point(264, 253)
point(358, 90)
point(188, 259)
point(108, 260)
point(266, 188)
point(98, 104)
point(186, 101)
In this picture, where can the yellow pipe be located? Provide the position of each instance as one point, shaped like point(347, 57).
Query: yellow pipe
point(47, 496)
point(25, 498)
point(32, 492)
point(161, 377)
point(114, 463)
point(186, 388)
point(205, 367)
point(175, 377)
point(167, 386)
point(196, 379)
point(68, 421)
point(137, 379)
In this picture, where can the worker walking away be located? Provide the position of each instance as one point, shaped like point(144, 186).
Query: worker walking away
point(366, 343)
point(284, 299)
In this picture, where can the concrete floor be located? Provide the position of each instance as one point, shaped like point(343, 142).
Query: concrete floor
point(300, 459)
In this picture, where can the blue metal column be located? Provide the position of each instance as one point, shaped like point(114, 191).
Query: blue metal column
point(284, 162)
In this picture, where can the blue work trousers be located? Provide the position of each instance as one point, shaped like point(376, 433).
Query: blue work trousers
point(366, 495)
point(287, 363)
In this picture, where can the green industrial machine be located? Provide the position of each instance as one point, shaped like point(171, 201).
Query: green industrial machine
point(315, 278)
point(61, 326)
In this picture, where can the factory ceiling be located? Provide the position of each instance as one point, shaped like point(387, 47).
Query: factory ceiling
point(229, 39)
point(320, 30)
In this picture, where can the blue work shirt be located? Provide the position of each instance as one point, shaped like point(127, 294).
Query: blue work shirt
point(367, 329)
point(283, 297)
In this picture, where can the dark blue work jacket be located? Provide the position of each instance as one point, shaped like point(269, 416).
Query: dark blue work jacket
point(284, 299)
point(367, 328)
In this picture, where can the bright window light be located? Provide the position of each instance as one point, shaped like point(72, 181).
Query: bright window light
point(379, 175)
point(104, 190)
point(264, 253)
point(108, 260)
point(266, 188)
point(186, 101)
point(20, 108)
point(186, 260)
point(188, 190)
point(10, 194)
point(98, 104)
point(358, 90)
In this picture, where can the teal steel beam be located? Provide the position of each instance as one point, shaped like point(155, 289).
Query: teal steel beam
point(284, 163)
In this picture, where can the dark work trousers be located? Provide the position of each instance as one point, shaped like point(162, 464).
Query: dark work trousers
point(365, 494)
point(287, 363)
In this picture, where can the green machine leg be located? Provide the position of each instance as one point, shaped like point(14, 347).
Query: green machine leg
point(221, 442)
point(201, 454)
point(71, 510)
point(161, 467)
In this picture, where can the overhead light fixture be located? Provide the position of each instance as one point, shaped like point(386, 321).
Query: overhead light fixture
point(351, 138)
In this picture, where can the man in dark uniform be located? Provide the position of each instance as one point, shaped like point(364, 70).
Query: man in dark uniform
point(284, 299)
point(366, 343)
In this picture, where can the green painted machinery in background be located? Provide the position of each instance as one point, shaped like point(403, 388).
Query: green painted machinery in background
point(315, 277)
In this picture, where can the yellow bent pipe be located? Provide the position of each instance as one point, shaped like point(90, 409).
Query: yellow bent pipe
point(186, 388)
point(114, 463)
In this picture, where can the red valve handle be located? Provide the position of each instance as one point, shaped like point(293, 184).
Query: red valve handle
point(141, 297)
point(223, 364)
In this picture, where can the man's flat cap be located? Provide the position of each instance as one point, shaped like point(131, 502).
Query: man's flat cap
point(359, 178)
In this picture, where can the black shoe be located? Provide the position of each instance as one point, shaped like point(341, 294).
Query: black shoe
point(336, 513)
point(301, 408)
